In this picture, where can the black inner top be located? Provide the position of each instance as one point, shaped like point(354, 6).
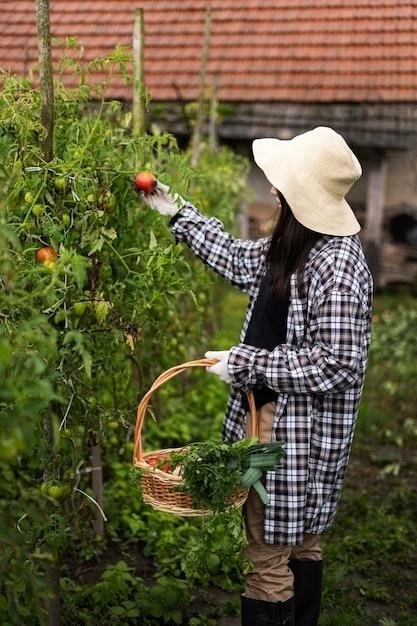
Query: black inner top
point(267, 329)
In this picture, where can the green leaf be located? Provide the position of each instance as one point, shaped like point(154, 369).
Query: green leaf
point(79, 269)
point(96, 246)
point(110, 233)
point(152, 241)
point(87, 362)
point(102, 309)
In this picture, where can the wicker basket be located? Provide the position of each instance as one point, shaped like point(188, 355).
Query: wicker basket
point(159, 488)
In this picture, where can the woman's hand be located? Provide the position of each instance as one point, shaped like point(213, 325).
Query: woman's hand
point(220, 368)
point(161, 200)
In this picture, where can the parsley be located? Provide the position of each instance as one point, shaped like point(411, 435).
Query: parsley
point(213, 470)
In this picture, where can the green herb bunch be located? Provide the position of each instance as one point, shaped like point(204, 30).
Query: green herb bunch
point(213, 470)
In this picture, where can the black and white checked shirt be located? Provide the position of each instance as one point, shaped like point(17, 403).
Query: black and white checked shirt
point(318, 373)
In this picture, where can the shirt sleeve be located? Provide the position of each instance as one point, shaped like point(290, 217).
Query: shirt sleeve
point(237, 260)
point(330, 364)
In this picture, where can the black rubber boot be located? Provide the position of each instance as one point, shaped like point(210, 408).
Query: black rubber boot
point(262, 613)
point(308, 576)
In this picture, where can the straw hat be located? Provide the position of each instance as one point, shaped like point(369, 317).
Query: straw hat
point(314, 171)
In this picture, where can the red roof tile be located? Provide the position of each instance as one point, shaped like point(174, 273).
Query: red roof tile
point(261, 50)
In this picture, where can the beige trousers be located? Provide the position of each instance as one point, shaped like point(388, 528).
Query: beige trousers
point(270, 578)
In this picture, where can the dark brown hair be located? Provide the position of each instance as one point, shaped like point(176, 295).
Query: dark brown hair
point(290, 245)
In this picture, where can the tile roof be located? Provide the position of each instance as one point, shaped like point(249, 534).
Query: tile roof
point(261, 50)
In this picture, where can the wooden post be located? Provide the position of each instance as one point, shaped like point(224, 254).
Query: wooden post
point(213, 120)
point(45, 76)
point(198, 127)
point(375, 202)
point(138, 105)
point(51, 601)
point(46, 84)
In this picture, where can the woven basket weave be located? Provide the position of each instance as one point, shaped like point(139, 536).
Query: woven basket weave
point(159, 488)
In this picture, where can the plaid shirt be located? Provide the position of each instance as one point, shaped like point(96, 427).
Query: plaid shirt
point(318, 373)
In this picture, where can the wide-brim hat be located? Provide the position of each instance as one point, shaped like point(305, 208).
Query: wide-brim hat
point(313, 171)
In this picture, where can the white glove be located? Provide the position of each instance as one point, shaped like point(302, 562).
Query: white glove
point(221, 368)
point(162, 201)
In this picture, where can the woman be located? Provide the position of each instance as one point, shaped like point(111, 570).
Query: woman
point(303, 352)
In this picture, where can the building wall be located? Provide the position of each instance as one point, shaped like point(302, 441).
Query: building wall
point(401, 188)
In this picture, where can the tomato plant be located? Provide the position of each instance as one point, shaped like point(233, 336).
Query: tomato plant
point(95, 302)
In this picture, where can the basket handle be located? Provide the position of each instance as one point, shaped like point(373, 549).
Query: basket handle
point(163, 378)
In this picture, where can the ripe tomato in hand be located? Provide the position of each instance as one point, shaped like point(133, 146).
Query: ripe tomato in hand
point(145, 181)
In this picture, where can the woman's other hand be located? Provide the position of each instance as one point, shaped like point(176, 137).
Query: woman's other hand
point(220, 368)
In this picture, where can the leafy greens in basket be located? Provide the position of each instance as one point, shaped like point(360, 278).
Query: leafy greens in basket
point(213, 470)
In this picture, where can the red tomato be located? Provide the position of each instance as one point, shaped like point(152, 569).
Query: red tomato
point(145, 181)
point(46, 255)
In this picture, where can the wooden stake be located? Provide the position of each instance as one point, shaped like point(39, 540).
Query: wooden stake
point(375, 200)
point(46, 84)
point(51, 601)
point(45, 76)
point(198, 128)
point(213, 120)
point(138, 106)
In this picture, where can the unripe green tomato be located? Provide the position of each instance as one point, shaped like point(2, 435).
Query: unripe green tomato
point(113, 440)
point(57, 491)
point(106, 272)
point(66, 219)
point(29, 197)
point(38, 210)
point(79, 308)
point(12, 446)
point(113, 425)
point(129, 446)
point(9, 449)
point(60, 183)
point(90, 198)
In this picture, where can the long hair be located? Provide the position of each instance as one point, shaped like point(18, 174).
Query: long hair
point(290, 245)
